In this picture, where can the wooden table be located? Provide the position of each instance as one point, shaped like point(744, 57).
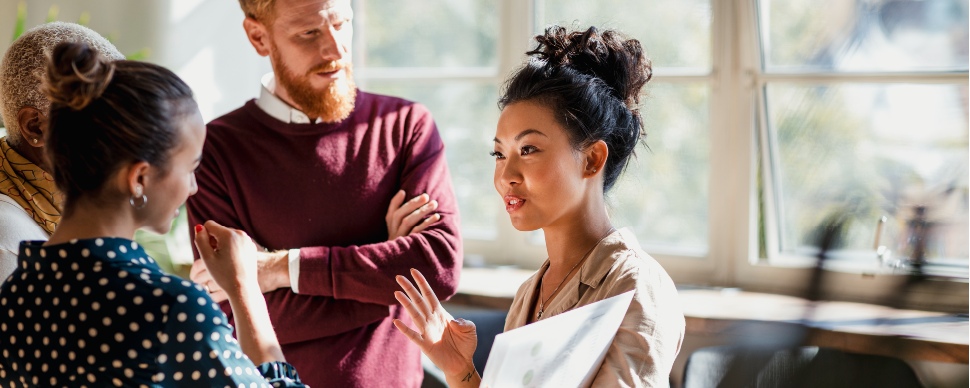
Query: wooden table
point(852, 327)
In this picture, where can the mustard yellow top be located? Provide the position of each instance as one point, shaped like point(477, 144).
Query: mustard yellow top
point(30, 186)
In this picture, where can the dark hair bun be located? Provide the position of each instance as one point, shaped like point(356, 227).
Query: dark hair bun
point(77, 75)
point(606, 55)
point(591, 80)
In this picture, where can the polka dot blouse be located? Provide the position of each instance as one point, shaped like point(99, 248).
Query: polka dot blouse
point(100, 312)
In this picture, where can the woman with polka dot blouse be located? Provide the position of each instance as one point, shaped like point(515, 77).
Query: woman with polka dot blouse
point(89, 307)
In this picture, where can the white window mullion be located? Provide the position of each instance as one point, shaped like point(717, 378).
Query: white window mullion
point(729, 156)
point(517, 29)
point(769, 185)
point(873, 77)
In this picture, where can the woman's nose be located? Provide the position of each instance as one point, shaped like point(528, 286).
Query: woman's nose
point(507, 174)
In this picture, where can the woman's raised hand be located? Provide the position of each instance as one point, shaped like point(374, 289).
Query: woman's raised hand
point(448, 342)
point(229, 255)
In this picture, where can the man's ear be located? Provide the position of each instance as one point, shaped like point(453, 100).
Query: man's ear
point(258, 35)
point(596, 155)
point(32, 124)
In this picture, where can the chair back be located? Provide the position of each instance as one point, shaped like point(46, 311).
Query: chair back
point(808, 366)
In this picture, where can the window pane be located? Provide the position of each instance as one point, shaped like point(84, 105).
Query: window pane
point(674, 33)
point(426, 33)
point(871, 150)
point(466, 113)
point(872, 35)
point(663, 195)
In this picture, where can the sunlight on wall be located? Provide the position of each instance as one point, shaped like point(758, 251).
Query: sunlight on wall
point(181, 9)
point(199, 72)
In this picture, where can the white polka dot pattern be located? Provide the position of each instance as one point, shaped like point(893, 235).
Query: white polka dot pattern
point(125, 323)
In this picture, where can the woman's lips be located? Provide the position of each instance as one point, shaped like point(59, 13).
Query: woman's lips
point(513, 203)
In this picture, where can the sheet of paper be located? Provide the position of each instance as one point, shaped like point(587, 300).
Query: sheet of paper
point(562, 351)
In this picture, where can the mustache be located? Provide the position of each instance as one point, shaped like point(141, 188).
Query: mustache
point(327, 67)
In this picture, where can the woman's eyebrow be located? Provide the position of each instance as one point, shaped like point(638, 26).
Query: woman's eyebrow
point(522, 134)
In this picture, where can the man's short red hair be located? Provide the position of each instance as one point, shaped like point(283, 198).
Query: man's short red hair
point(260, 10)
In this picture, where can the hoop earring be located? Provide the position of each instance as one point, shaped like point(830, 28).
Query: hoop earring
point(144, 201)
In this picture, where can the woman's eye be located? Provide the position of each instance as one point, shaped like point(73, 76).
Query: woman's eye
point(528, 149)
point(497, 155)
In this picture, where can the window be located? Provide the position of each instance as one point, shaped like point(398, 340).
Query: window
point(866, 114)
point(444, 69)
point(443, 54)
point(762, 117)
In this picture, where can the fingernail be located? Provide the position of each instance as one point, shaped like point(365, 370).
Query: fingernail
point(198, 228)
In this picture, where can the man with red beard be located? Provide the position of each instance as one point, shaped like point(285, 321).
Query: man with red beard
point(317, 172)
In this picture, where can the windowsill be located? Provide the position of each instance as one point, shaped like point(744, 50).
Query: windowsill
point(866, 267)
point(854, 327)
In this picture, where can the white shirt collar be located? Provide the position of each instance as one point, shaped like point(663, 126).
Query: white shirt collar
point(270, 103)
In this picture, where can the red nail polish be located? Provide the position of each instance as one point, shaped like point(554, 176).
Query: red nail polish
point(198, 228)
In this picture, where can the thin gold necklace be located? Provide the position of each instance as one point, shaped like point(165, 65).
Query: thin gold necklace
point(541, 303)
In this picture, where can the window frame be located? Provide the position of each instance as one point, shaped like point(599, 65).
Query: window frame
point(779, 271)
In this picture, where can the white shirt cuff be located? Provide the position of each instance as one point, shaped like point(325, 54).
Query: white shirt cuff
point(294, 259)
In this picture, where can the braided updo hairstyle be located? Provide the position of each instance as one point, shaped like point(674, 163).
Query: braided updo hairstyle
point(591, 80)
point(105, 114)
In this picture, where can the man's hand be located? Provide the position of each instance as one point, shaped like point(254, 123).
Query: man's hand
point(404, 218)
point(273, 269)
point(200, 274)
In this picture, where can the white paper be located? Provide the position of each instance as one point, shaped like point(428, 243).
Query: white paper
point(562, 351)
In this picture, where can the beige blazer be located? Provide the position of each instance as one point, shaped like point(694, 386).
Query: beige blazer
point(649, 338)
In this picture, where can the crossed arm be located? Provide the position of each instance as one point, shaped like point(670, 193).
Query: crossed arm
point(403, 218)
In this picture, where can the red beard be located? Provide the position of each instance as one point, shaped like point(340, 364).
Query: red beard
point(332, 104)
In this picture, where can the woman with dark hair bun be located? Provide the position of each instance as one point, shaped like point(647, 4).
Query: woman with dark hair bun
point(89, 306)
point(568, 128)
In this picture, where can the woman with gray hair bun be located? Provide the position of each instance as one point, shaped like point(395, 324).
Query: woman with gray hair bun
point(29, 202)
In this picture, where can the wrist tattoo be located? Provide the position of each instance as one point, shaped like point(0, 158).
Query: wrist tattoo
point(468, 377)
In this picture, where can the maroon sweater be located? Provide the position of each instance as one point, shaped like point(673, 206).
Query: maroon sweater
point(325, 188)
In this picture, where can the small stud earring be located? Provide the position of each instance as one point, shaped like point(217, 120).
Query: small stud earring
point(35, 140)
